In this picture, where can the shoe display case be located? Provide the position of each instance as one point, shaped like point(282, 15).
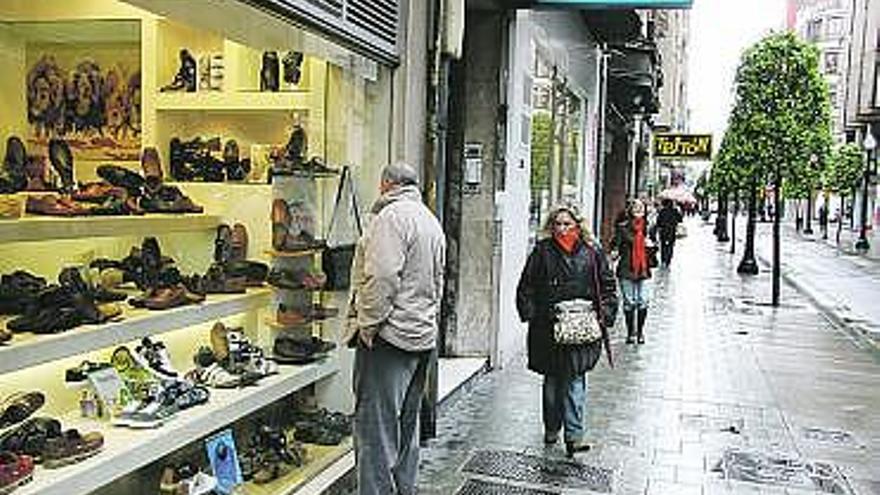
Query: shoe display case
point(340, 101)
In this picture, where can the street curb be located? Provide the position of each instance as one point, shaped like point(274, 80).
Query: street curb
point(831, 313)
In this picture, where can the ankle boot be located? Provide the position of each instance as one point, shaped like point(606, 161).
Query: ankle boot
point(643, 314)
point(630, 326)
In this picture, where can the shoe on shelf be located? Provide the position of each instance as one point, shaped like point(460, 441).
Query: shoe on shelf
point(30, 437)
point(80, 374)
point(19, 406)
point(238, 243)
point(290, 350)
point(13, 176)
point(155, 355)
point(296, 279)
point(122, 177)
point(62, 161)
point(185, 79)
point(269, 72)
point(292, 67)
point(253, 272)
point(15, 471)
point(55, 206)
point(223, 244)
point(71, 447)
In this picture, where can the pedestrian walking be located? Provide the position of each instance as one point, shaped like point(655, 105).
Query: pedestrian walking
point(823, 221)
point(667, 222)
point(630, 242)
point(397, 280)
point(567, 265)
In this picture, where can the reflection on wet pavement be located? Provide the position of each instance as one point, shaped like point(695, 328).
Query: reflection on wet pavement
point(721, 373)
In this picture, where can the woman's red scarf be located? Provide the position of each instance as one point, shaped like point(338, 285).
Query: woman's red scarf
point(639, 258)
point(568, 239)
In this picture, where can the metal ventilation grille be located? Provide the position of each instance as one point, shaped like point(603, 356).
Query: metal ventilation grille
point(377, 17)
point(333, 7)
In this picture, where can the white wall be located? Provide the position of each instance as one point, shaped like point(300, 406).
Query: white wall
point(512, 204)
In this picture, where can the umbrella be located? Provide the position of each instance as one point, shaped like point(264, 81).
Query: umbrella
point(678, 194)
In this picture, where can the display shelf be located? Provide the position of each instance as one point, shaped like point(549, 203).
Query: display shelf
point(126, 450)
point(299, 253)
point(303, 175)
point(233, 101)
point(40, 228)
point(27, 349)
point(319, 458)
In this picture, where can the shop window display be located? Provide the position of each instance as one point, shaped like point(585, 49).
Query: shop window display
point(147, 301)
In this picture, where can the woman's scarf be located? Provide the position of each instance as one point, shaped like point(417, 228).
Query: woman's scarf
point(567, 240)
point(639, 257)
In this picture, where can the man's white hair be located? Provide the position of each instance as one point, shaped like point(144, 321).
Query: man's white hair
point(401, 174)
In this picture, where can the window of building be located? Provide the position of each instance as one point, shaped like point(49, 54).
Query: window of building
point(832, 62)
point(835, 27)
point(814, 29)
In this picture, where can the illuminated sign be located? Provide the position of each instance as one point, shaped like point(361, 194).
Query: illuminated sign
point(635, 4)
point(683, 146)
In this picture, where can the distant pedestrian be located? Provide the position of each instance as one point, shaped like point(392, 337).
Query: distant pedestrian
point(630, 243)
point(667, 223)
point(397, 285)
point(567, 265)
point(823, 221)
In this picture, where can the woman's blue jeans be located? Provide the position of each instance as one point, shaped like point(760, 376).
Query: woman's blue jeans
point(564, 402)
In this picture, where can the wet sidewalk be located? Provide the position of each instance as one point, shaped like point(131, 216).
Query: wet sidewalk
point(843, 283)
point(727, 396)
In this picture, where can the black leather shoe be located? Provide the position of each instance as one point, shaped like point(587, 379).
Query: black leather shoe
point(269, 72)
point(122, 177)
point(13, 177)
point(62, 161)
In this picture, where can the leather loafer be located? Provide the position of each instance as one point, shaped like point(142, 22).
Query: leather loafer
point(122, 177)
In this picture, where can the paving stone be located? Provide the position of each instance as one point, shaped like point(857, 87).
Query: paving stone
point(661, 418)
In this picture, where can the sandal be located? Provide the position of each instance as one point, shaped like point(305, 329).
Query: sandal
point(15, 470)
point(71, 447)
point(30, 437)
point(18, 407)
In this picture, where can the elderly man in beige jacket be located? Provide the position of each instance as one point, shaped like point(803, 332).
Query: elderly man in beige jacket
point(397, 284)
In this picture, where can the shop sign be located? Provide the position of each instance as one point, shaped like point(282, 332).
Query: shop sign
point(683, 146)
point(635, 4)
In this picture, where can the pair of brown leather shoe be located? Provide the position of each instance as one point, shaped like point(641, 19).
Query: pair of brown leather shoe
point(59, 206)
point(230, 244)
point(166, 298)
point(291, 226)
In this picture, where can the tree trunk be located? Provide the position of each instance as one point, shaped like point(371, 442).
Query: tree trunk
point(748, 265)
point(852, 209)
point(776, 247)
point(840, 219)
point(733, 221)
point(809, 224)
point(721, 220)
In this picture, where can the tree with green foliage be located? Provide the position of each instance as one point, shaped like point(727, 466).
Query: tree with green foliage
point(843, 175)
point(781, 117)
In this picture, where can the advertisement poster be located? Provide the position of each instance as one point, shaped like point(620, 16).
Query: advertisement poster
point(89, 96)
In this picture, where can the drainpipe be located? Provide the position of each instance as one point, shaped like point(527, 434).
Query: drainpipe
point(602, 83)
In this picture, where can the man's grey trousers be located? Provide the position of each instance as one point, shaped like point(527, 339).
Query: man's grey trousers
point(388, 385)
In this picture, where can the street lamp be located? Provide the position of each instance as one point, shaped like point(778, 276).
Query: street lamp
point(870, 145)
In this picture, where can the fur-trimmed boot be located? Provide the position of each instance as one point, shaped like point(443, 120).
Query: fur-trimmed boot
point(643, 314)
point(630, 317)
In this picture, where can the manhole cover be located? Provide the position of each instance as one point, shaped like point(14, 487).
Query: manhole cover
point(766, 470)
point(837, 437)
point(480, 487)
point(538, 470)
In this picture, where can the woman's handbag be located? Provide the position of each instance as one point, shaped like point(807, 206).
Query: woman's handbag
point(651, 250)
point(336, 260)
point(576, 323)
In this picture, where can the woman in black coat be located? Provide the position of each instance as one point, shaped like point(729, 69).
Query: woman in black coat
point(632, 236)
point(567, 265)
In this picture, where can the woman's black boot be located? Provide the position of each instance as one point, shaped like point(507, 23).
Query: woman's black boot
point(643, 313)
point(630, 326)
point(571, 448)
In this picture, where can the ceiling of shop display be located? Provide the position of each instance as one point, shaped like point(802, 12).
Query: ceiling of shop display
point(74, 32)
